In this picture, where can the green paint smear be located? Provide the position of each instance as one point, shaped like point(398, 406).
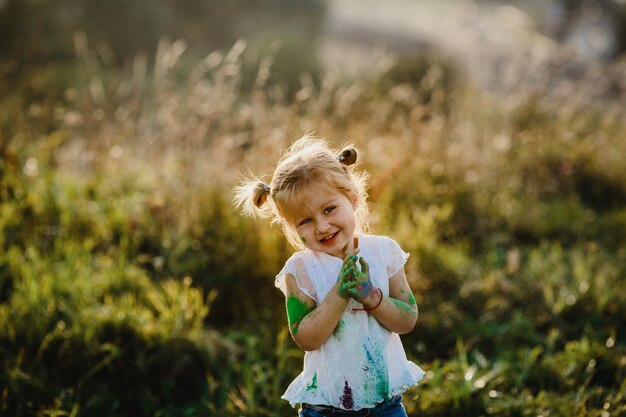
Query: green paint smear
point(378, 373)
point(313, 383)
point(412, 299)
point(403, 306)
point(296, 311)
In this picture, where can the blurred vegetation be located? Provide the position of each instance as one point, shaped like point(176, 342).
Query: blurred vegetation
point(43, 29)
point(614, 10)
point(130, 287)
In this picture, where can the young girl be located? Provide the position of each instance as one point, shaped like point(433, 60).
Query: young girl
point(347, 294)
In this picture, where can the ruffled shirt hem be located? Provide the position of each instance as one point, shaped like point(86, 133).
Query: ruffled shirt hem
point(298, 394)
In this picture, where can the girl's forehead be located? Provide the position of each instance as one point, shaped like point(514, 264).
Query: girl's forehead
point(314, 190)
point(315, 195)
point(310, 199)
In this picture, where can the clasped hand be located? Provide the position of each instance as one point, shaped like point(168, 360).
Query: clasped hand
point(355, 282)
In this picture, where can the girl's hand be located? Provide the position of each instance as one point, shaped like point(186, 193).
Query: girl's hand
point(346, 281)
point(364, 286)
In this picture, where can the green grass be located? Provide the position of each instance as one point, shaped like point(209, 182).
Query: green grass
point(129, 286)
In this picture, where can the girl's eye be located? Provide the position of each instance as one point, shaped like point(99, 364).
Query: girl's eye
point(329, 209)
point(303, 222)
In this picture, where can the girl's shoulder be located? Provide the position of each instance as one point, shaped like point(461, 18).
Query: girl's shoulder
point(296, 267)
point(295, 263)
point(387, 248)
point(376, 240)
point(302, 255)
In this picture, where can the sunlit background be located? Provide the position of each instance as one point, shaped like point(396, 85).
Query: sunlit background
point(494, 133)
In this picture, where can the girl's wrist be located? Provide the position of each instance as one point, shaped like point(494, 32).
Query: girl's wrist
point(373, 299)
point(337, 290)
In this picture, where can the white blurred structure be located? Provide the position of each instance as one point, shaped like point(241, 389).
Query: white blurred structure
point(503, 48)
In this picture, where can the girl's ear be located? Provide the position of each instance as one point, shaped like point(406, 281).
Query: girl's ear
point(354, 199)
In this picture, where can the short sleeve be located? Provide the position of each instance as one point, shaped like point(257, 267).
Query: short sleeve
point(396, 257)
point(295, 266)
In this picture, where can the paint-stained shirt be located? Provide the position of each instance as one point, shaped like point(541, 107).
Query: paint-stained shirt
point(362, 363)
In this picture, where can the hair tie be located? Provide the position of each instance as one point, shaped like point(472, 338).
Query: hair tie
point(263, 196)
point(347, 156)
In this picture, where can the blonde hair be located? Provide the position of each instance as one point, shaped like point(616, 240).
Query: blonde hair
point(308, 161)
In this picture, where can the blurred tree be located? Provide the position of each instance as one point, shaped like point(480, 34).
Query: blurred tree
point(579, 13)
point(33, 31)
point(127, 26)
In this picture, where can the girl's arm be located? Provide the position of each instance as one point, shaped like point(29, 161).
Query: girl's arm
point(312, 325)
point(397, 312)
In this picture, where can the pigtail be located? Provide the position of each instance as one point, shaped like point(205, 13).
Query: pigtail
point(251, 197)
point(347, 156)
point(360, 179)
point(261, 191)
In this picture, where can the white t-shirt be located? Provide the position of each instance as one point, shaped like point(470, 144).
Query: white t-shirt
point(362, 363)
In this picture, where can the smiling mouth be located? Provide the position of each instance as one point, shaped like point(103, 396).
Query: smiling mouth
point(329, 238)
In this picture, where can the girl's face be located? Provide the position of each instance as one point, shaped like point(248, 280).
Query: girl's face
point(325, 220)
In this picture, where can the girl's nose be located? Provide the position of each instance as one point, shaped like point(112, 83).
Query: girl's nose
point(322, 226)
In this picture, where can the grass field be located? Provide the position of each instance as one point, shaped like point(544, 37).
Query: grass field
point(129, 286)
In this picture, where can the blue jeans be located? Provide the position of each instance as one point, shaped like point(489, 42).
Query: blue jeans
point(389, 408)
